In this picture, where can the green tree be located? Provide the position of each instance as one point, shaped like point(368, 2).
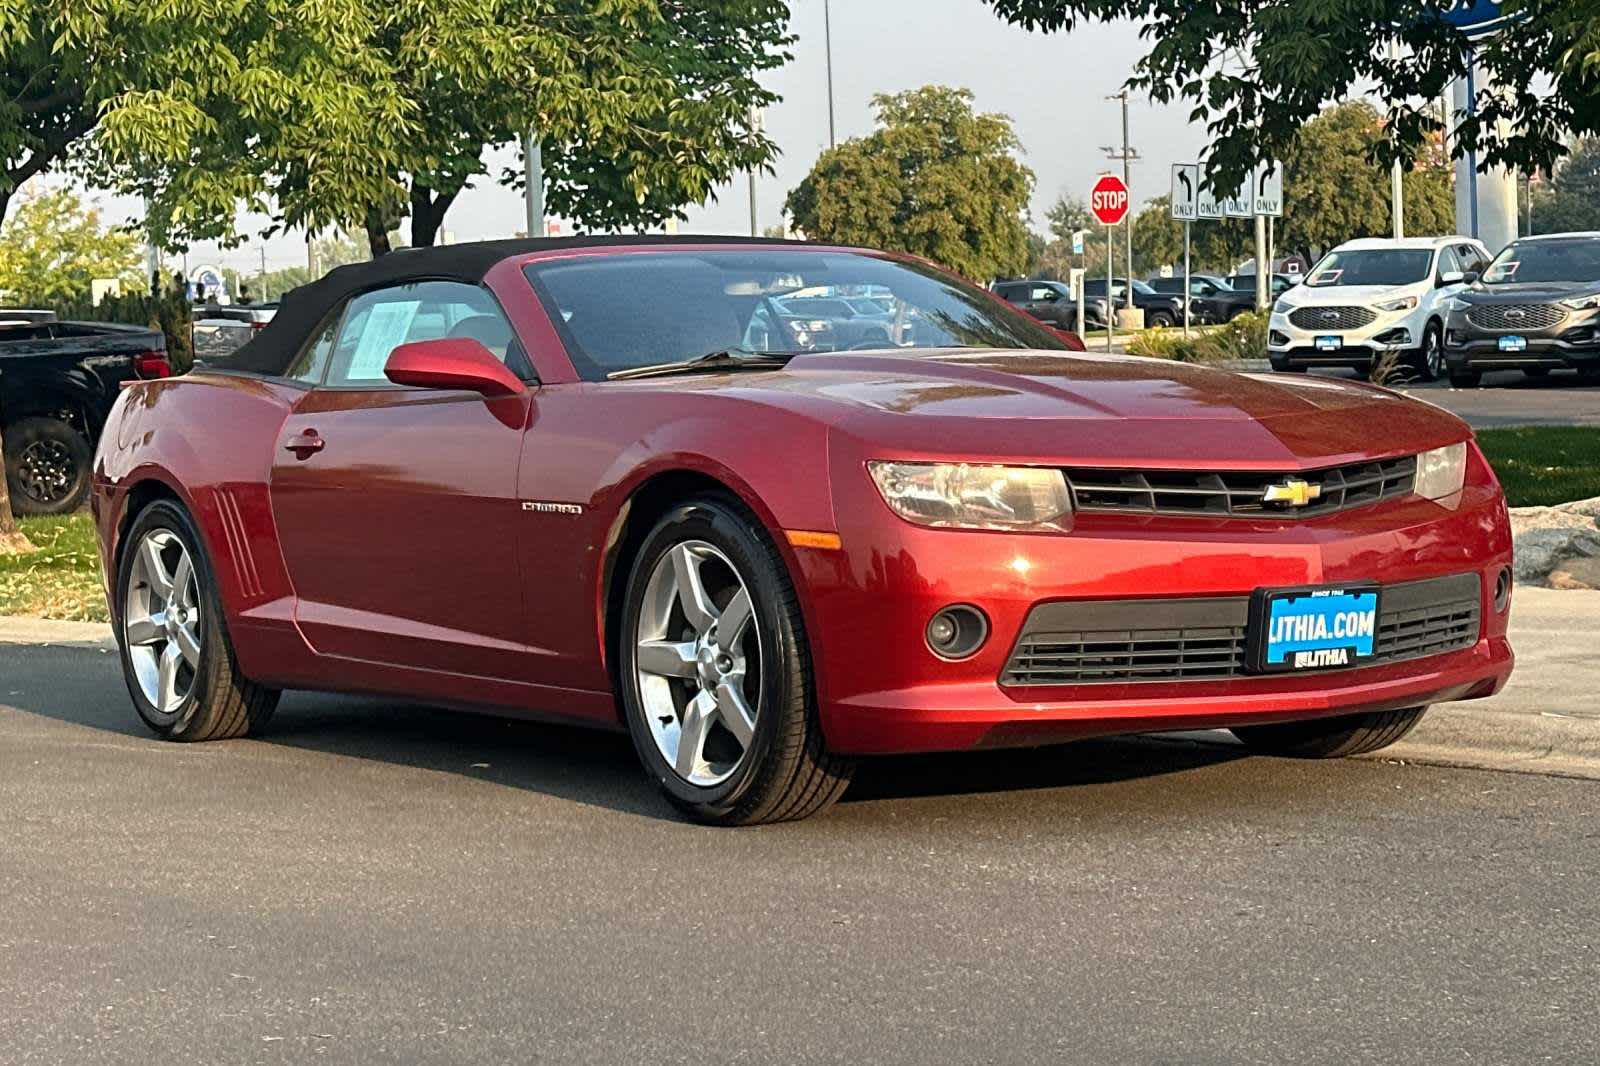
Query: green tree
point(1335, 190)
point(934, 179)
point(1570, 200)
point(1257, 72)
point(126, 87)
point(52, 248)
point(1067, 216)
point(641, 107)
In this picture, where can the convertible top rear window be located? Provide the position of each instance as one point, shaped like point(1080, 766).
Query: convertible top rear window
point(619, 312)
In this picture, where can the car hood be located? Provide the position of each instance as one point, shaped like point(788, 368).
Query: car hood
point(1065, 405)
point(1347, 295)
point(1530, 292)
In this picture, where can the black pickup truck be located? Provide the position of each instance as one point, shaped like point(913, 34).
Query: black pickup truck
point(58, 381)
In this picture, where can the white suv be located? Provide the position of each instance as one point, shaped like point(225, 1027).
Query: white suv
point(1371, 296)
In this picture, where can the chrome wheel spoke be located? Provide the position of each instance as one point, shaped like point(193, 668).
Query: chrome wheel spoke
point(187, 640)
point(155, 568)
point(697, 718)
point(735, 713)
point(666, 658)
point(167, 695)
point(691, 589)
point(735, 617)
point(151, 629)
point(181, 577)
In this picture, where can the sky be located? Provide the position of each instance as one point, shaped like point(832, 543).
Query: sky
point(1052, 86)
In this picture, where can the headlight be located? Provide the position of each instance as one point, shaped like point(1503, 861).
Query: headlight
point(1282, 306)
point(1583, 303)
point(973, 497)
point(1405, 303)
point(1456, 303)
point(1442, 472)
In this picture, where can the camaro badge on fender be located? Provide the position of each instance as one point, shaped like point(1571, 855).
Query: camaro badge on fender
point(1293, 491)
point(545, 507)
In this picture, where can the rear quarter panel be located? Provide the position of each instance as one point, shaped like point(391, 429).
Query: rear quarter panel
point(206, 439)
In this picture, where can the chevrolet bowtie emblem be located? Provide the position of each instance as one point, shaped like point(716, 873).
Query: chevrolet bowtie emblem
point(1292, 491)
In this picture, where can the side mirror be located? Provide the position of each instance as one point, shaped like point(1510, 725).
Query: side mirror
point(1471, 277)
point(452, 363)
point(1451, 277)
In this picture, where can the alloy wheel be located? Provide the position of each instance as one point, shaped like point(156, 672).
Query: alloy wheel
point(697, 662)
point(161, 620)
point(45, 471)
point(1433, 355)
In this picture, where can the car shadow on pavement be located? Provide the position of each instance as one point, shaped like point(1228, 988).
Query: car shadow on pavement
point(587, 766)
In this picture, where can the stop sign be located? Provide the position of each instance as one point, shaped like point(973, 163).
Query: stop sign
point(1109, 200)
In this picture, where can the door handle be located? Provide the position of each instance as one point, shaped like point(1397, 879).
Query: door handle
point(304, 445)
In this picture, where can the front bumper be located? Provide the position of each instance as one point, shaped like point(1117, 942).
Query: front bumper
point(1574, 343)
point(1291, 345)
point(882, 690)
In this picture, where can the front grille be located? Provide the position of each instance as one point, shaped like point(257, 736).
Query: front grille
point(1090, 642)
point(1332, 318)
point(1239, 494)
point(1515, 316)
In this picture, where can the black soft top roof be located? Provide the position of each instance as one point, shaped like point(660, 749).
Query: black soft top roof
point(303, 309)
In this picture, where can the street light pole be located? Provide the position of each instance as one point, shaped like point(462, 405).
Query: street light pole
point(1127, 155)
point(827, 39)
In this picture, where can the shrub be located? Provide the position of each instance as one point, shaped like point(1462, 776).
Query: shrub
point(1243, 338)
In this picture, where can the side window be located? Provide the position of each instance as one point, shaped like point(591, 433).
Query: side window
point(1043, 294)
point(1448, 262)
point(1471, 258)
point(378, 322)
point(312, 362)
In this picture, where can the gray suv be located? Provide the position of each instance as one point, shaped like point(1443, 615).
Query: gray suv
point(1051, 302)
point(1535, 309)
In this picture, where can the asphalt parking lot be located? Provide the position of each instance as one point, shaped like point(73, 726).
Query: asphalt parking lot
point(1511, 398)
point(380, 883)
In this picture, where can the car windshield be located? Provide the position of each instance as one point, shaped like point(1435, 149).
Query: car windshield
point(1372, 266)
point(1546, 261)
point(683, 305)
point(1143, 289)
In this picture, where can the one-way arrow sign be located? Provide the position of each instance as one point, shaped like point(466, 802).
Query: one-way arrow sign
point(1185, 191)
point(1269, 189)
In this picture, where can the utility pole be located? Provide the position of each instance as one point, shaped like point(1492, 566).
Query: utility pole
point(755, 129)
point(827, 40)
point(1127, 155)
point(533, 181)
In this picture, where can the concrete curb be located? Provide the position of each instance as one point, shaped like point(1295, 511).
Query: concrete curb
point(67, 634)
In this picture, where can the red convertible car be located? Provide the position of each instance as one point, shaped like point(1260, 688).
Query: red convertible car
point(613, 480)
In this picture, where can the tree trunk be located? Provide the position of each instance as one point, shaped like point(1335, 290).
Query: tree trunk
point(377, 232)
point(11, 539)
point(427, 214)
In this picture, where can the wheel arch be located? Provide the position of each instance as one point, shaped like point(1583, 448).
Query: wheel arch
point(651, 497)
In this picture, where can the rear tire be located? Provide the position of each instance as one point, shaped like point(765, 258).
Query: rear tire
point(1161, 320)
point(740, 692)
point(47, 466)
point(1331, 738)
point(1465, 379)
point(164, 580)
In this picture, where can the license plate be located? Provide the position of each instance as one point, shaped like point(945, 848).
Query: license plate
point(1329, 343)
point(1513, 344)
point(1313, 628)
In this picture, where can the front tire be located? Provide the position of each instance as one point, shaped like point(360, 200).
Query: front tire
point(47, 466)
point(715, 672)
point(1331, 738)
point(177, 659)
point(1428, 360)
point(1161, 320)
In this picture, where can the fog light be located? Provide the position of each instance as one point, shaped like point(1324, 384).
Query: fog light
point(957, 632)
point(1502, 590)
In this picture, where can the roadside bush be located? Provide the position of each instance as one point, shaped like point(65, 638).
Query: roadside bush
point(1243, 338)
point(164, 308)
